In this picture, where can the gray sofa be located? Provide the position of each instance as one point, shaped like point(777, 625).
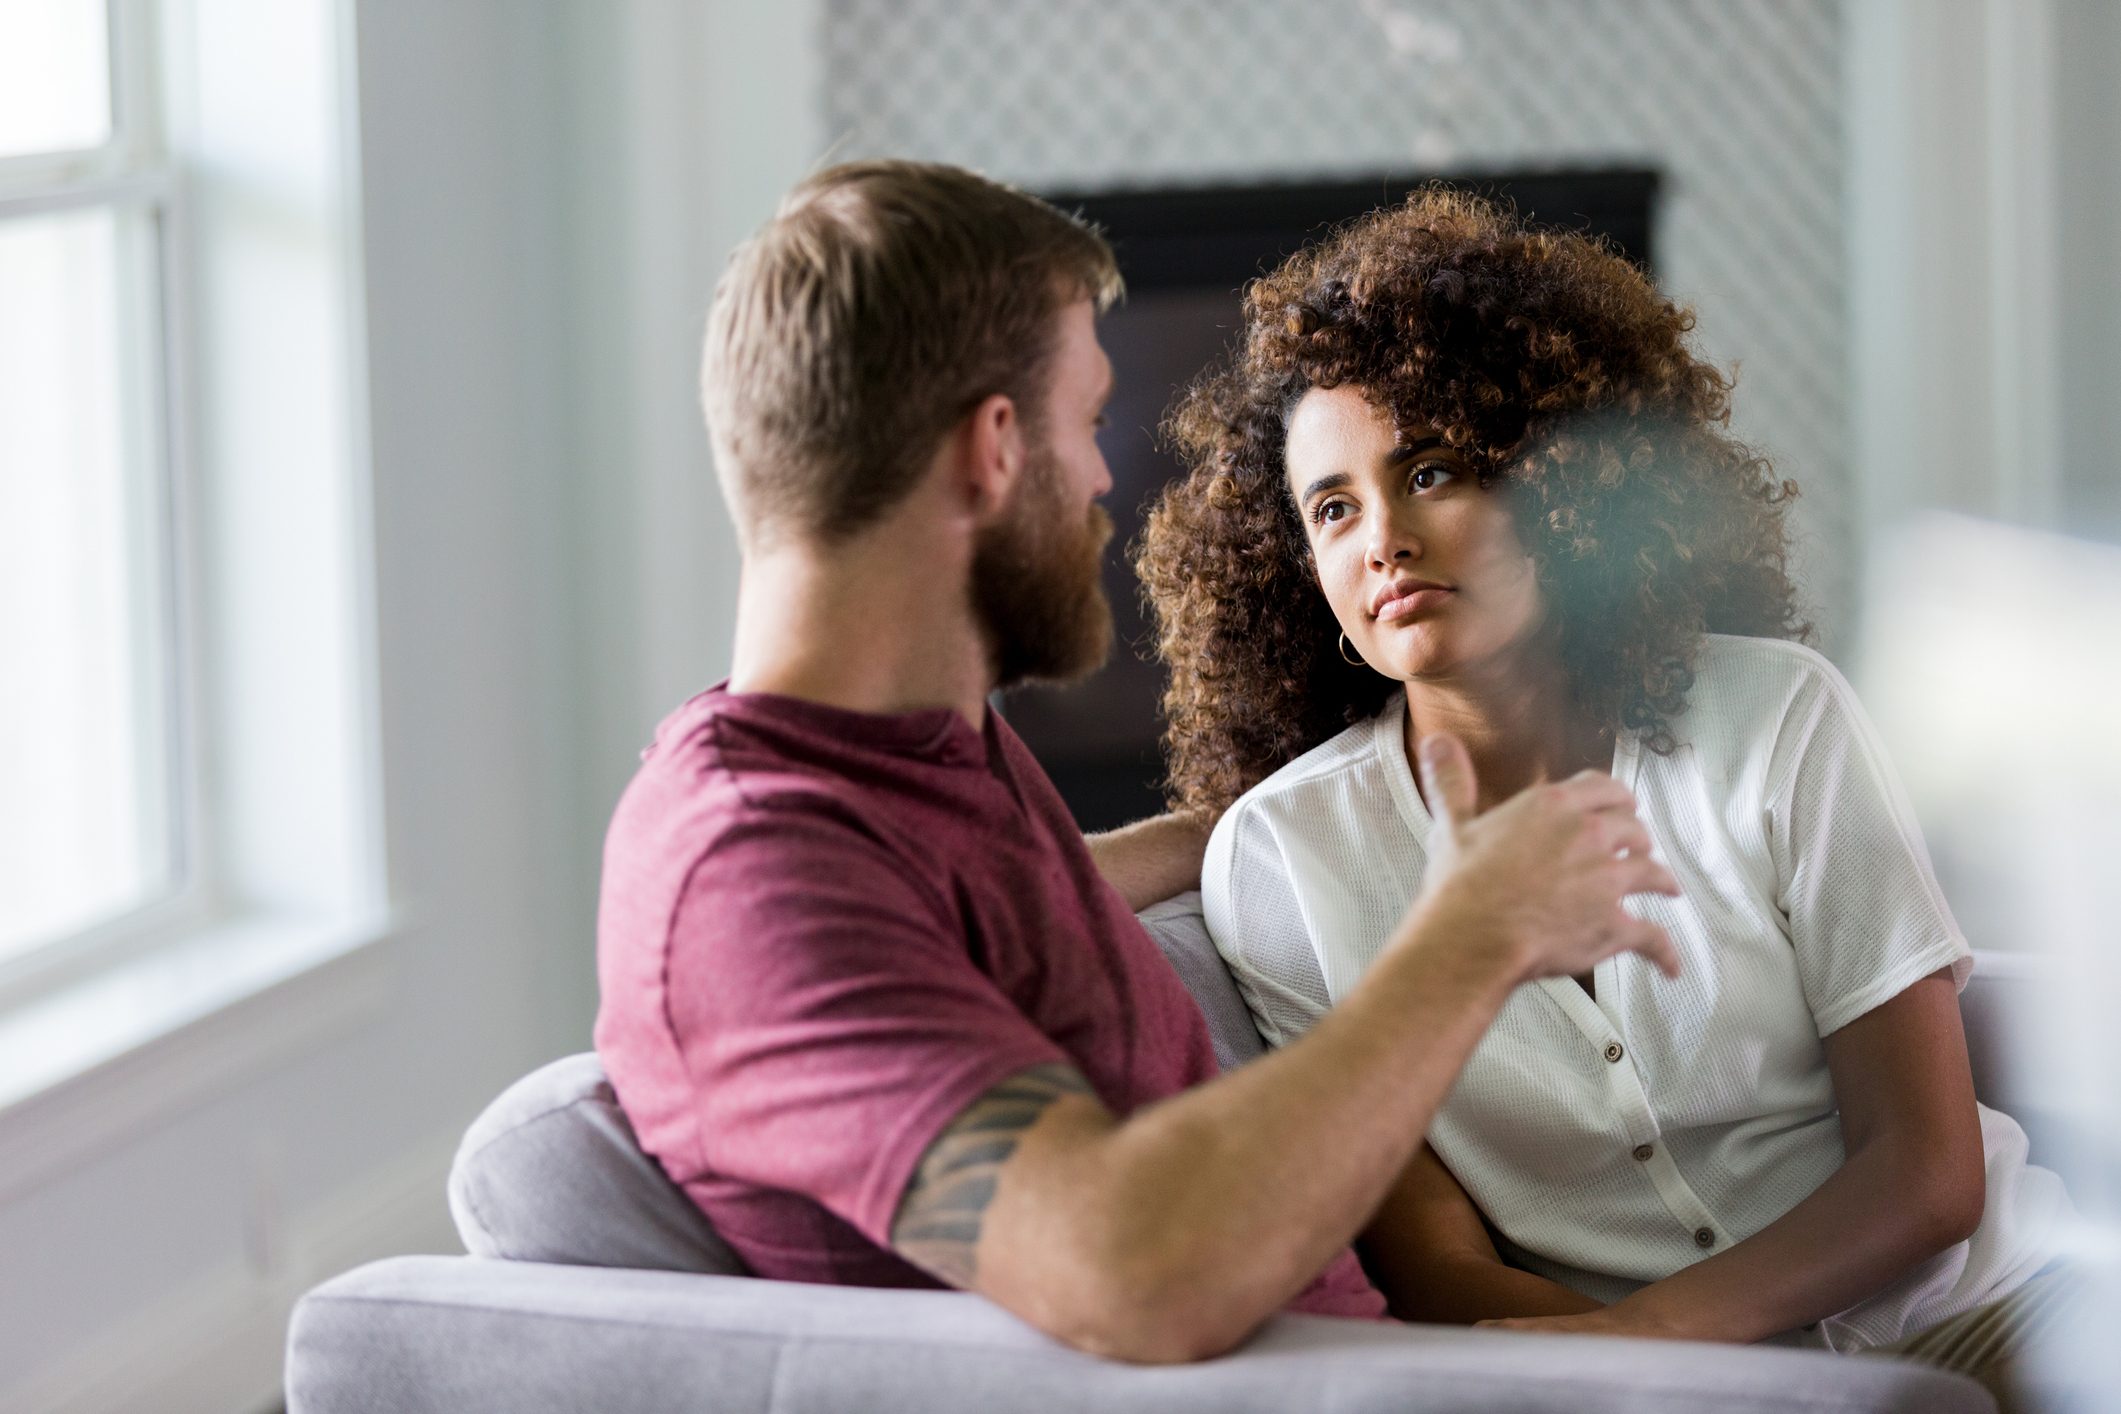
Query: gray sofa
point(594, 1284)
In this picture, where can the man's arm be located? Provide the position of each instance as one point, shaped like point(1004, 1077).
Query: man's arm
point(1153, 859)
point(1171, 1234)
point(941, 1213)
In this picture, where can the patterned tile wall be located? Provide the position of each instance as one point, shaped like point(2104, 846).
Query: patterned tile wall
point(1737, 102)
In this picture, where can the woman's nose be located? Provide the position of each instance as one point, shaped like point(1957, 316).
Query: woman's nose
point(1391, 543)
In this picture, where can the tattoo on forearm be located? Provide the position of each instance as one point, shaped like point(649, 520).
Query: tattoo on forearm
point(938, 1222)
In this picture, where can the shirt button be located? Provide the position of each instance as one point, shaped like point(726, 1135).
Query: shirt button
point(1613, 1053)
point(1643, 1152)
point(1703, 1237)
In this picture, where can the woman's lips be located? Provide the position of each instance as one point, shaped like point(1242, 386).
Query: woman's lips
point(1408, 605)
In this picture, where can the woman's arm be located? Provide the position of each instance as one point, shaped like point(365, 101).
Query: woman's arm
point(1429, 1253)
point(1151, 860)
point(1913, 1184)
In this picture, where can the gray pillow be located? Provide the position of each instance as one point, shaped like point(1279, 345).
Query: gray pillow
point(551, 1172)
point(1179, 930)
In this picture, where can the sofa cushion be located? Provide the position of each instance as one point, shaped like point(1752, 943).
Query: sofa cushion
point(1181, 932)
point(551, 1172)
point(447, 1335)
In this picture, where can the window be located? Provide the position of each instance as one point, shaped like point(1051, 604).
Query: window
point(190, 782)
point(93, 759)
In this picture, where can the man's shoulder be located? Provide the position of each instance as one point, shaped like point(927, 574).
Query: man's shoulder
point(715, 807)
point(761, 876)
point(729, 760)
point(751, 809)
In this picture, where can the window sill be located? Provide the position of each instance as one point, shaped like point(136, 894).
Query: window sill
point(99, 1061)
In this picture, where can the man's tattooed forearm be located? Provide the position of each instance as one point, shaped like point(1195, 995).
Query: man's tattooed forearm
point(938, 1222)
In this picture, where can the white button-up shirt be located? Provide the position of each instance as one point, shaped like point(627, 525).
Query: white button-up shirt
point(1613, 1141)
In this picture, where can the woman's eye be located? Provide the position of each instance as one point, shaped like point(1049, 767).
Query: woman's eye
point(1330, 512)
point(1430, 475)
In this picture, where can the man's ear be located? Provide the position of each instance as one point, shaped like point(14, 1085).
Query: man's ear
point(992, 441)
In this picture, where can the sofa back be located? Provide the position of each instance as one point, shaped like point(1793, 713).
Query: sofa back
point(551, 1171)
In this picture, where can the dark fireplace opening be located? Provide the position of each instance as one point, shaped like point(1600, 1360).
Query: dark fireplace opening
point(1186, 253)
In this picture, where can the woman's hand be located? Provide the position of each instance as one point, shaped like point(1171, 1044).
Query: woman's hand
point(1617, 1319)
point(1430, 1254)
point(1586, 1323)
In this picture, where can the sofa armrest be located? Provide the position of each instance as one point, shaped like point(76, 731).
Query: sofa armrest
point(467, 1336)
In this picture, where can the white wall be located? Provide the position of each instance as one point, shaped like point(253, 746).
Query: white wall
point(686, 120)
point(1984, 216)
point(2087, 39)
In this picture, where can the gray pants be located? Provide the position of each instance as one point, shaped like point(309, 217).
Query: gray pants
point(1987, 1343)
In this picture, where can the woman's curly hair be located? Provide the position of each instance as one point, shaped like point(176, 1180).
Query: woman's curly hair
point(1556, 369)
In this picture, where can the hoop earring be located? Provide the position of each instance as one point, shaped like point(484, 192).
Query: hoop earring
point(1353, 660)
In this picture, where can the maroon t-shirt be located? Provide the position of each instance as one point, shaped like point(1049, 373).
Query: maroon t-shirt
point(824, 933)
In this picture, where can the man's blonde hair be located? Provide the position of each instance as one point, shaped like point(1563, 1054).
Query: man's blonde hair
point(880, 305)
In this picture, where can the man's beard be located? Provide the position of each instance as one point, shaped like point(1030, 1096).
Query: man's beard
point(1036, 588)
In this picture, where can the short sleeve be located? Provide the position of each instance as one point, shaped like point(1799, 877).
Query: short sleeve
point(1866, 917)
point(1252, 912)
point(831, 1022)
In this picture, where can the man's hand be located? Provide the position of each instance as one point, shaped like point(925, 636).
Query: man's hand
point(1543, 874)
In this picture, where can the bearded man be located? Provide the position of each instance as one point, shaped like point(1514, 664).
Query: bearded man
point(868, 995)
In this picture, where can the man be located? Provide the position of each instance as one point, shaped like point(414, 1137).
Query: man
point(867, 994)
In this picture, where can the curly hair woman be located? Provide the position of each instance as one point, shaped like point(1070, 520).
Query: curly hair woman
point(1468, 478)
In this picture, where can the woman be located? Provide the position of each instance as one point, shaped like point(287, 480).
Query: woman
point(1464, 475)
